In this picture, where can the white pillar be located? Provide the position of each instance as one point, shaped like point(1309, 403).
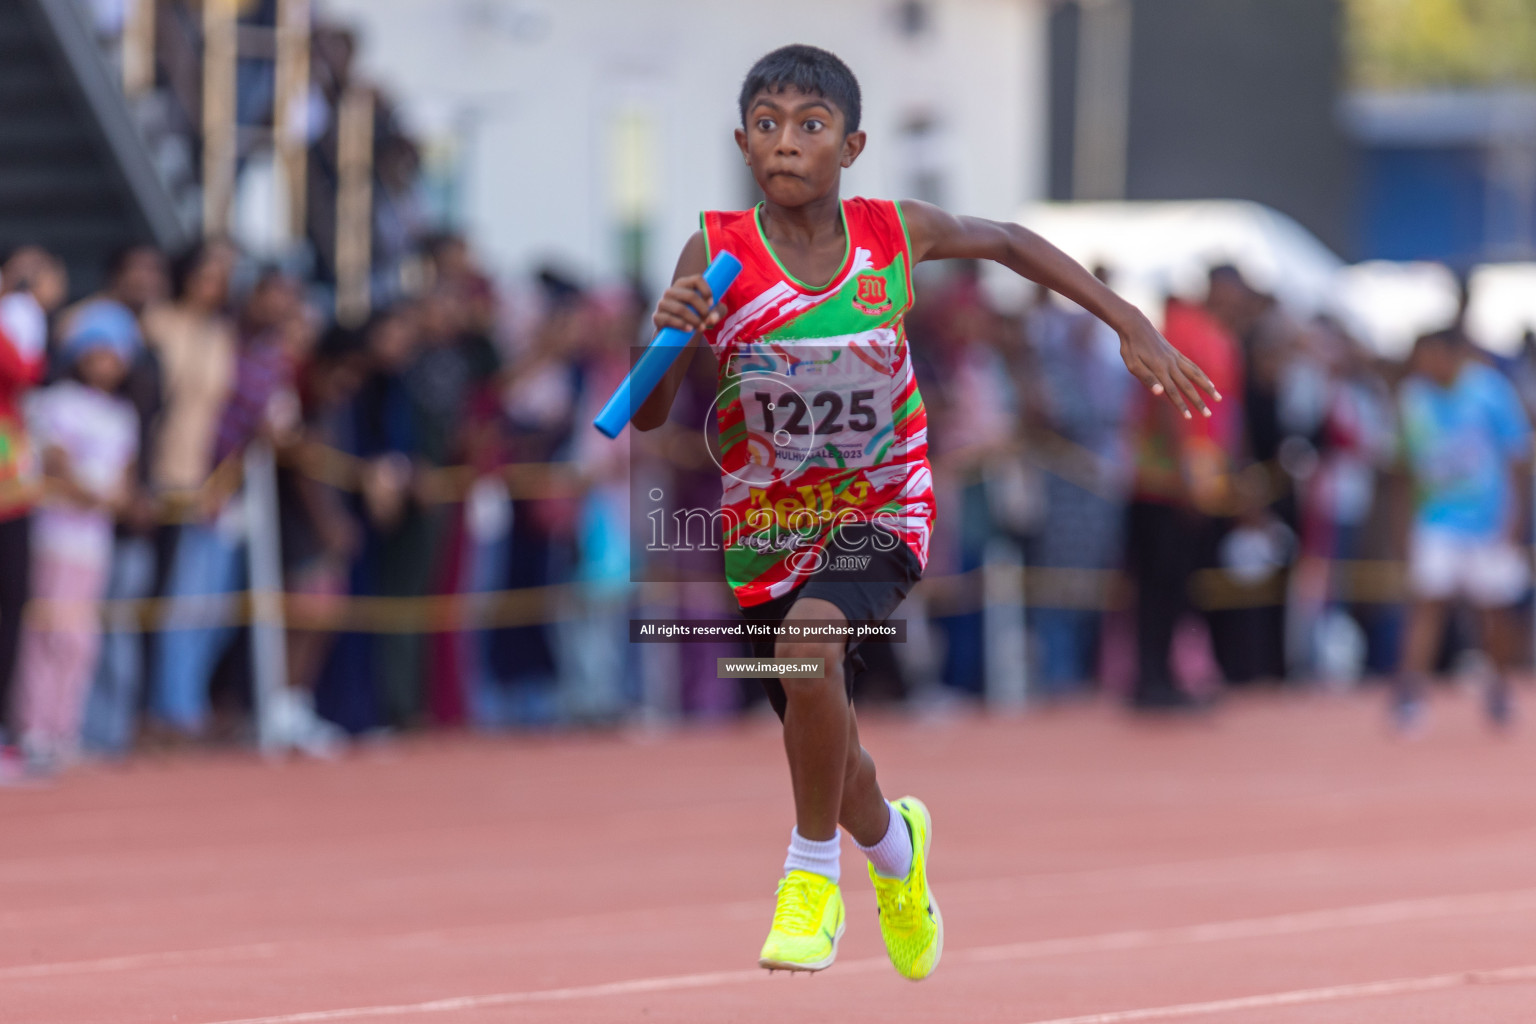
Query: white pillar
point(1007, 672)
point(1103, 106)
point(269, 639)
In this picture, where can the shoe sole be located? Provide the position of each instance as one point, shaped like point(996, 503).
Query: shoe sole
point(814, 965)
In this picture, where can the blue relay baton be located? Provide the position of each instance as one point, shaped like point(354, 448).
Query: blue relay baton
point(658, 358)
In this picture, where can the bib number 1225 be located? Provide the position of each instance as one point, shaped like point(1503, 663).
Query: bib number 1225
point(822, 418)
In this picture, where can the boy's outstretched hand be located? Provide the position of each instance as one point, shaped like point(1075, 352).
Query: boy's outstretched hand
point(1164, 369)
point(937, 234)
point(688, 306)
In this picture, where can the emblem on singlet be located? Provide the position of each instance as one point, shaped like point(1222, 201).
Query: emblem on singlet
point(871, 298)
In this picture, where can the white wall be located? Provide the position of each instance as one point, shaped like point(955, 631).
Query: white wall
point(533, 89)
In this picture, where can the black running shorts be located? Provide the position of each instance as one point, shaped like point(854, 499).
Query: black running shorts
point(863, 591)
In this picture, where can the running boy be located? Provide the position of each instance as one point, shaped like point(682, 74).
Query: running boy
point(828, 497)
point(1468, 445)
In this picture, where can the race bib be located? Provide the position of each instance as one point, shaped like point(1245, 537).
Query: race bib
point(817, 405)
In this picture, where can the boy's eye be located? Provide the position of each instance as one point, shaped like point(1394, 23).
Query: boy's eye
point(815, 124)
point(765, 124)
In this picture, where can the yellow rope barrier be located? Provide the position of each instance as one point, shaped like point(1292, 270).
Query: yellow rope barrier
point(1356, 582)
point(1359, 582)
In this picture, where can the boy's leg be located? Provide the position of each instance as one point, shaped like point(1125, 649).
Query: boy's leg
point(833, 778)
point(817, 723)
point(1502, 635)
point(808, 917)
point(812, 714)
point(1421, 638)
point(895, 838)
point(864, 813)
point(1421, 643)
point(1502, 576)
point(878, 828)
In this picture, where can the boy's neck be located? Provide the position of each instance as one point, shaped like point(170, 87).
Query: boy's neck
point(804, 225)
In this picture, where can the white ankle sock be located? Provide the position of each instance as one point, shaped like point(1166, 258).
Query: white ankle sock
point(892, 855)
point(819, 857)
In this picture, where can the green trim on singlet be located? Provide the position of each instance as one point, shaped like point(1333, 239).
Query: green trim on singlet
point(842, 267)
point(840, 315)
point(704, 230)
point(906, 233)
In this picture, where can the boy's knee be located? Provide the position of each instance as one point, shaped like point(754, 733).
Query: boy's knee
point(831, 657)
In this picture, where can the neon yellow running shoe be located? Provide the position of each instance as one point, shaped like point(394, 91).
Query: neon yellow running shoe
point(910, 921)
point(807, 922)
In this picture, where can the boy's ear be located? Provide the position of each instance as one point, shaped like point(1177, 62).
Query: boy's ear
point(741, 144)
point(853, 145)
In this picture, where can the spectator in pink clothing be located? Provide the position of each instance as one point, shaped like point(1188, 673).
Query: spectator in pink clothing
point(89, 438)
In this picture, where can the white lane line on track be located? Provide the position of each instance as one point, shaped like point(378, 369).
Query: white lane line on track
point(1301, 997)
point(1164, 873)
point(1309, 861)
point(1285, 924)
point(142, 961)
point(1396, 912)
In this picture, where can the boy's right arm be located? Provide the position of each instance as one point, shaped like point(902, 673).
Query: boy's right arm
point(687, 305)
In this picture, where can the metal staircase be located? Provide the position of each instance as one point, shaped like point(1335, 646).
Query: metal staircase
point(75, 174)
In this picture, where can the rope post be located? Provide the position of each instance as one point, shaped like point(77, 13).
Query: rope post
point(220, 139)
point(354, 205)
point(1002, 584)
point(290, 122)
point(661, 665)
point(264, 561)
point(138, 48)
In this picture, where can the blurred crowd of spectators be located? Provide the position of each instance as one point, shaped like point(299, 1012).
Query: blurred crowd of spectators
point(442, 450)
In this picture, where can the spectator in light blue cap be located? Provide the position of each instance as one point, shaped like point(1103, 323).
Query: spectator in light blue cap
point(103, 324)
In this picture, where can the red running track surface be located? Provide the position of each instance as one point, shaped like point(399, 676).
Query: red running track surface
point(1283, 862)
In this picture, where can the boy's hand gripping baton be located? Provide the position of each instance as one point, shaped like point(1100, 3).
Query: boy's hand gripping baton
point(663, 351)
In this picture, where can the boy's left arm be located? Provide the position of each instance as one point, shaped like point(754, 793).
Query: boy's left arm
point(1514, 428)
point(939, 235)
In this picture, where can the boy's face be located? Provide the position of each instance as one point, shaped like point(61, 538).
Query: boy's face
point(795, 144)
point(1440, 362)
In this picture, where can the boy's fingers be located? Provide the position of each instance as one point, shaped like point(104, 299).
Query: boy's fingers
point(1188, 389)
point(694, 294)
point(695, 304)
point(687, 308)
point(1171, 389)
point(682, 318)
point(1194, 373)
